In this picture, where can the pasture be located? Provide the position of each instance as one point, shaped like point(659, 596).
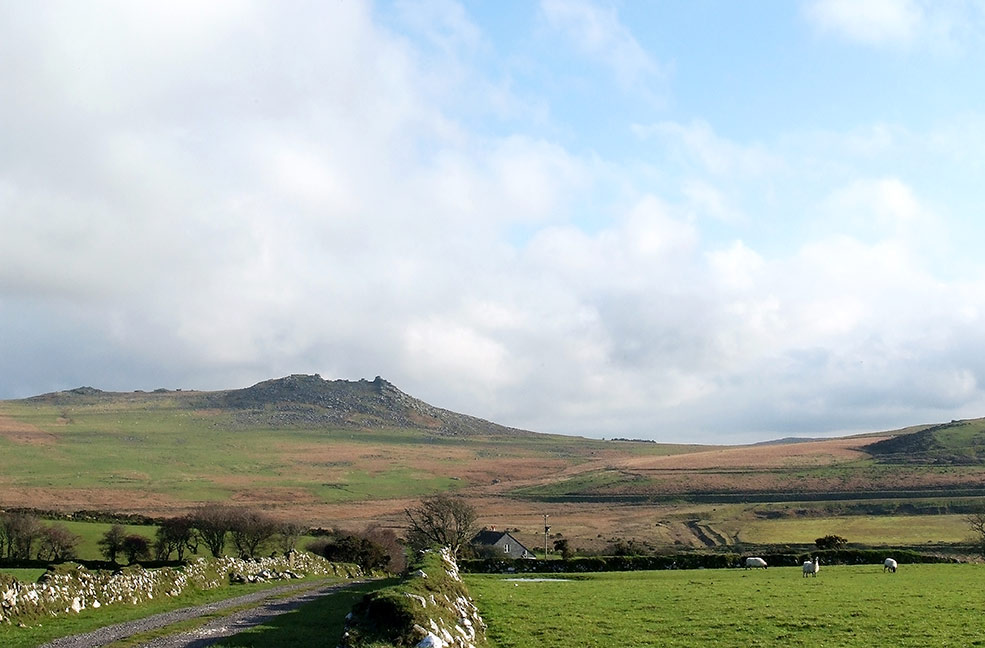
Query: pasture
point(921, 605)
point(869, 529)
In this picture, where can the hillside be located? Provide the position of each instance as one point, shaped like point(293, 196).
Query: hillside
point(954, 443)
point(347, 453)
point(298, 444)
point(303, 400)
point(311, 400)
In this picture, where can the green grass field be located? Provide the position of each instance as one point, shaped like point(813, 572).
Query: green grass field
point(921, 605)
point(24, 575)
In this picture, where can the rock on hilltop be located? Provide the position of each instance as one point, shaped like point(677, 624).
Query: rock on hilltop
point(310, 400)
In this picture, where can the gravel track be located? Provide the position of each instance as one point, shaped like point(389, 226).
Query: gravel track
point(212, 631)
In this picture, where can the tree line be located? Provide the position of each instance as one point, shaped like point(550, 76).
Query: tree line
point(212, 528)
point(23, 536)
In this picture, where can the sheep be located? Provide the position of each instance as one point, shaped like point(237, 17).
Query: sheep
point(812, 567)
point(889, 565)
point(755, 562)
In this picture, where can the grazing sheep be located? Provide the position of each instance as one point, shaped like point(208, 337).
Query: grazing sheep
point(755, 563)
point(812, 567)
point(889, 565)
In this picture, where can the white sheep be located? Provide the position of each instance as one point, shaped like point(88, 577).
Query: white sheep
point(889, 565)
point(812, 567)
point(755, 563)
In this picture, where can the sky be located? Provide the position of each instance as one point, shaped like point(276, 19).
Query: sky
point(700, 222)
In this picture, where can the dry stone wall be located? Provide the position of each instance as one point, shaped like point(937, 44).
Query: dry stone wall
point(431, 608)
point(73, 588)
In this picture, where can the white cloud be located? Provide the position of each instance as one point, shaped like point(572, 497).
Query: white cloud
point(736, 267)
point(250, 192)
point(698, 143)
point(444, 23)
point(873, 22)
point(884, 209)
point(598, 32)
point(939, 27)
point(706, 199)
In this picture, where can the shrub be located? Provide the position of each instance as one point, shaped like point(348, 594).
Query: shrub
point(830, 542)
point(562, 546)
point(111, 544)
point(136, 547)
point(689, 561)
point(372, 550)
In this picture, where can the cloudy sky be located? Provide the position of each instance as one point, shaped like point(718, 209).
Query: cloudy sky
point(686, 221)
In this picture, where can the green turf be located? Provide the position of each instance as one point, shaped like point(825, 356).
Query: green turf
point(921, 605)
point(319, 623)
point(92, 532)
point(23, 575)
point(866, 529)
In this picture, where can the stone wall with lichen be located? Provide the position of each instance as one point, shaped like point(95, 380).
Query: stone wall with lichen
point(72, 588)
point(431, 608)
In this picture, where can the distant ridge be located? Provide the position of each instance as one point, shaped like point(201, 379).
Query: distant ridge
point(786, 440)
point(310, 400)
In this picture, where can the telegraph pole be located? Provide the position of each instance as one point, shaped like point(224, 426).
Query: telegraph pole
point(546, 530)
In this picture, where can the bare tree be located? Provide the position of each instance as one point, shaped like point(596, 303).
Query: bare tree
point(250, 531)
point(441, 520)
point(395, 550)
point(58, 543)
point(976, 522)
point(21, 531)
point(288, 534)
point(175, 535)
point(213, 522)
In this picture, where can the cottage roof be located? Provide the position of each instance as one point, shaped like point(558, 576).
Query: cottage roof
point(488, 537)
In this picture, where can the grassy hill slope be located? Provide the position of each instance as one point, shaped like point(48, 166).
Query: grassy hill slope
point(954, 443)
point(297, 444)
point(351, 452)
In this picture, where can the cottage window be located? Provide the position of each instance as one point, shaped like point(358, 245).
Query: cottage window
point(506, 548)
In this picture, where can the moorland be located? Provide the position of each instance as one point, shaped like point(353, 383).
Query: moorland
point(350, 453)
